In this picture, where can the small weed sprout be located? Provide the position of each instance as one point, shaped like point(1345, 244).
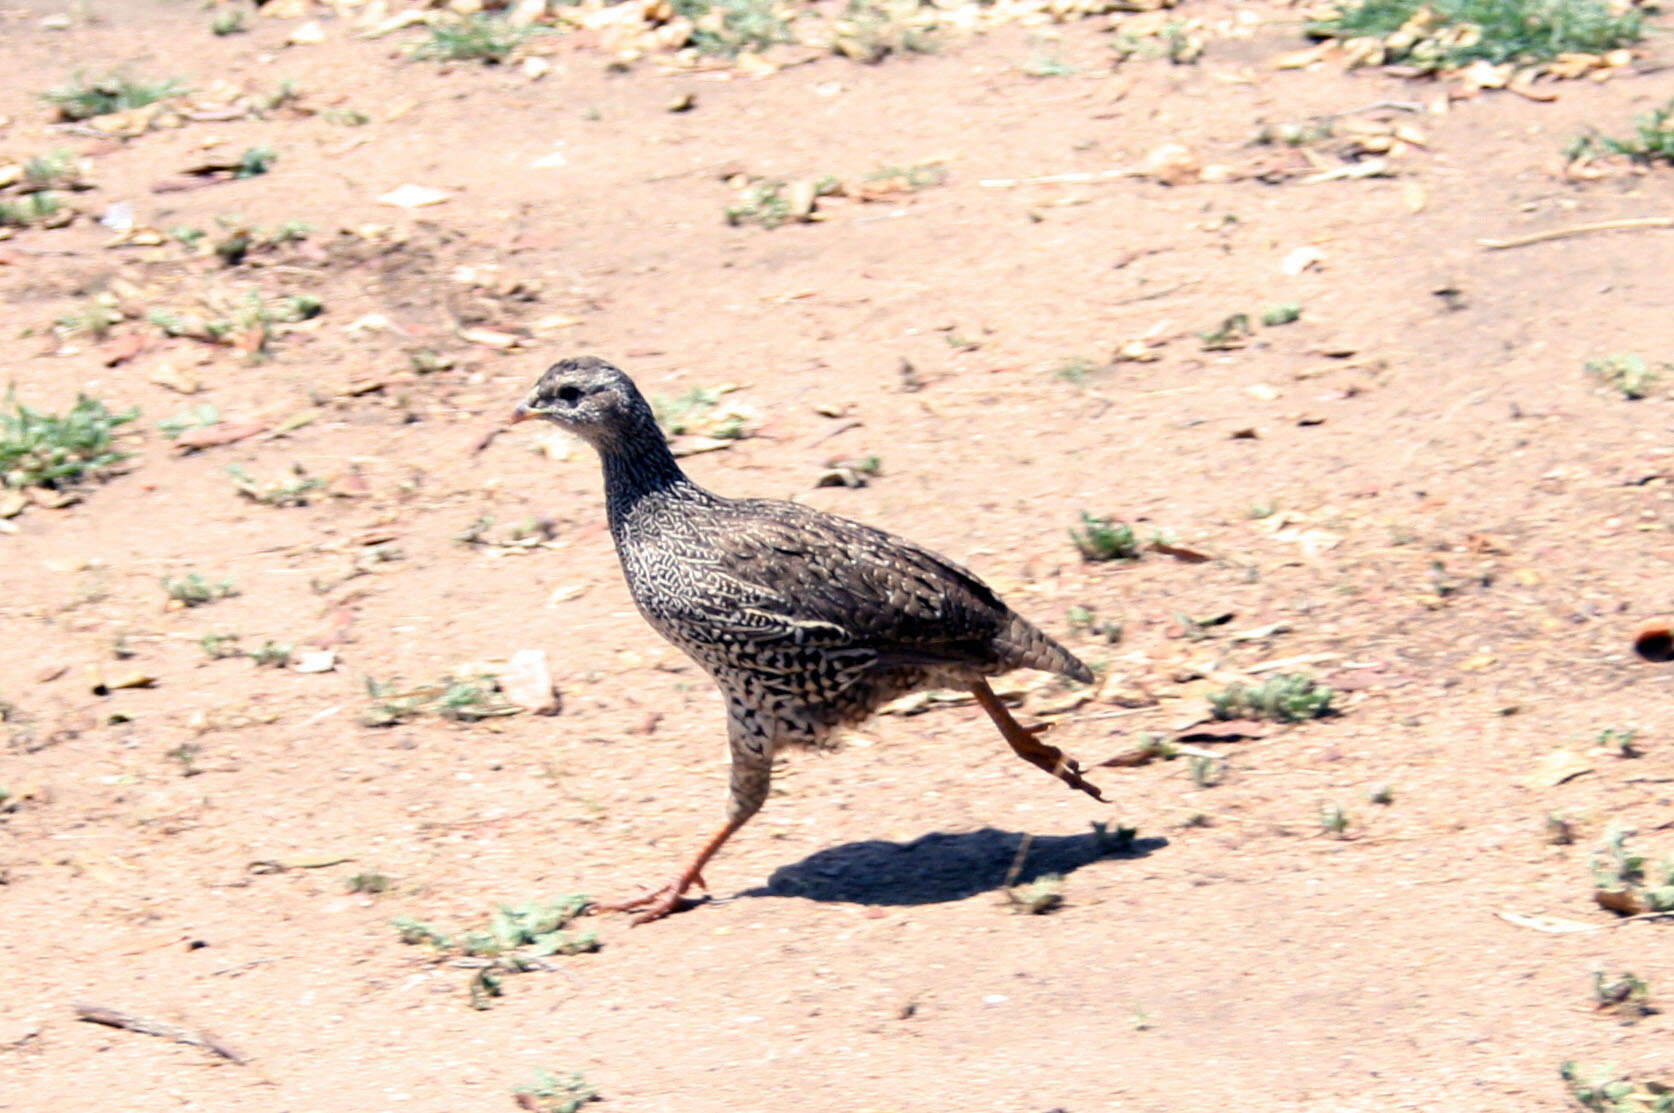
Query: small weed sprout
point(1653, 141)
point(1333, 819)
point(186, 754)
point(193, 417)
point(39, 208)
point(1382, 794)
point(1039, 897)
point(1618, 742)
point(1608, 1090)
point(1623, 881)
point(764, 203)
point(1626, 373)
point(86, 97)
point(255, 162)
point(517, 938)
point(1075, 370)
point(1101, 539)
point(481, 37)
point(1207, 772)
point(291, 490)
point(1286, 697)
point(1044, 64)
point(370, 881)
point(47, 450)
point(1233, 332)
point(228, 21)
point(1625, 996)
point(552, 1093)
point(192, 590)
point(1282, 314)
point(461, 699)
point(220, 646)
point(97, 315)
point(701, 412)
point(271, 654)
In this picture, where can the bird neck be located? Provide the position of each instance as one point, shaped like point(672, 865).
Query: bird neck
point(642, 469)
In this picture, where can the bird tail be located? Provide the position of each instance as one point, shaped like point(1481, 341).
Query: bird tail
point(1024, 646)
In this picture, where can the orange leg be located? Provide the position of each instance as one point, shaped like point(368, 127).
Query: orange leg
point(1031, 749)
point(660, 902)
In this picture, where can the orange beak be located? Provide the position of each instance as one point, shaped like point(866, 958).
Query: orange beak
point(522, 413)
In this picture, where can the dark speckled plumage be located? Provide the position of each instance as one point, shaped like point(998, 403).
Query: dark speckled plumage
point(806, 621)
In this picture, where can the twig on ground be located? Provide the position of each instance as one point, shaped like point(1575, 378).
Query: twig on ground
point(1580, 230)
point(146, 1026)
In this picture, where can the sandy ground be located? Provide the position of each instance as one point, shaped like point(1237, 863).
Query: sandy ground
point(1415, 489)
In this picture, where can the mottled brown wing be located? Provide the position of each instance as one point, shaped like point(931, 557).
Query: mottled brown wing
point(883, 592)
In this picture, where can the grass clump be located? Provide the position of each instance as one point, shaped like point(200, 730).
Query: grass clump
point(1626, 373)
point(481, 37)
point(1446, 34)
point(1608, 1090)
point(1104, 539)
point(551, 1093)
point(48, 450)
point(1285, 697)
point(466, 699)
point(517, 938)
point(88, 96)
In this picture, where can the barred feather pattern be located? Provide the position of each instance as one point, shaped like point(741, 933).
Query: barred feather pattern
point(805, 620)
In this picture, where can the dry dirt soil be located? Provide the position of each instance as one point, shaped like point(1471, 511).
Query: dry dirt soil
point(1415, 492)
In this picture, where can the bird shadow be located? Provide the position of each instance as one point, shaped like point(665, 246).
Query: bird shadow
point(939, 867)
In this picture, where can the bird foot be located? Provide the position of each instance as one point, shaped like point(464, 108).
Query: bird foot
point(1031, 749)
point(654, 904)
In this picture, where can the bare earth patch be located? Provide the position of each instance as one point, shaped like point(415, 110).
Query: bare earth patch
point(1047, 274)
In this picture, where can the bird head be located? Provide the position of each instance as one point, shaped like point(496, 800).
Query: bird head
point(591, 398)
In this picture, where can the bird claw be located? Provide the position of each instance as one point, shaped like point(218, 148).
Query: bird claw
point(654, 904)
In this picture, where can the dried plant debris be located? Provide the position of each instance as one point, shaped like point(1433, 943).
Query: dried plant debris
point(517, 938)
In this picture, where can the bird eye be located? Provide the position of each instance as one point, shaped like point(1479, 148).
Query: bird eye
point(569, 394)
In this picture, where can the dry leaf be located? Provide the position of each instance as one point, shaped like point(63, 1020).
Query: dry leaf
point(1557, 767)
point(414, 196)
